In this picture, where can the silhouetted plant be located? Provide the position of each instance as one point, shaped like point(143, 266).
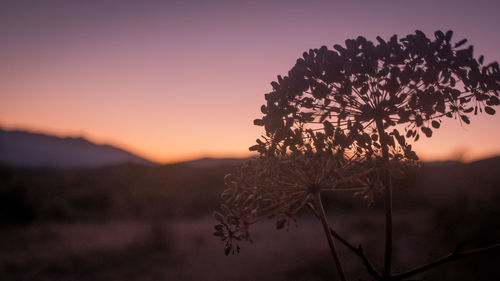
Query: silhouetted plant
point(334, 123)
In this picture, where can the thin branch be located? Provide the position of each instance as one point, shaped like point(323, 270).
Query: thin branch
point(456, 254)
point(326, 228)
point(358, 251)
point(387, 202)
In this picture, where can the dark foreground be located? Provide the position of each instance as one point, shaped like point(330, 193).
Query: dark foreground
point(153, 223)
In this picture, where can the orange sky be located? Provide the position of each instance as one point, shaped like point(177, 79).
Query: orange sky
point(176, 80)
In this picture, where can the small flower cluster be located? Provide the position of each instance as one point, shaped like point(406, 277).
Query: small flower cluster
point(279, 187)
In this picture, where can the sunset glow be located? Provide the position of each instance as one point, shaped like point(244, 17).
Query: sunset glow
point(175, 80)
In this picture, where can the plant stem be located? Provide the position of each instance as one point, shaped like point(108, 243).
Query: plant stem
point(387, 201)
point(326, 228)
point(448, 258)
point(356, 250)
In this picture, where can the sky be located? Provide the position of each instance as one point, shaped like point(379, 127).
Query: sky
point(178, 80)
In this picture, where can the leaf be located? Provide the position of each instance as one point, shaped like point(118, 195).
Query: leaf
point(254, 147)
point(427, 131)
point(453, 82)
point(421, 35)
point(227, 249)
point(489, 110)
point(340, 49)
point(329, 129)
point(419, 120)
point(439, 34)
point(324, 116)
point(460, 43)
point(493, 101)
point(280, 223)
point(219, 229)
point(465, 119)
point(364, 89)
point(258, 122)
point(448, 35)
point(307, 116)
point(218, 216)
point(435, 124)
point(469, 110)
point(409, 133)
point(401, 140)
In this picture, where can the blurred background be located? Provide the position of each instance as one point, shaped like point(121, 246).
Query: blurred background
point(119, 120)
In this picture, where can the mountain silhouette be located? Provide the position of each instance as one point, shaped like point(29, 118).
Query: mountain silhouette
point(36, 150)
point(208, 162)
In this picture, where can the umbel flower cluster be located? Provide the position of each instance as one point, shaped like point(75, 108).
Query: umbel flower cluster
point(413, 82)
point(277, 187)
point(345, 118)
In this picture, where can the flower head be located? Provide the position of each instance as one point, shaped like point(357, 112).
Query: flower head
point(278, 187)
point(352, 93)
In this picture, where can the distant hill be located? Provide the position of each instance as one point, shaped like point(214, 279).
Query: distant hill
point(36, 150)
point(213, 162)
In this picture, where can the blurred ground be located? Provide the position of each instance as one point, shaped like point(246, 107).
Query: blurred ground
point(153, 223)
point(172, 250)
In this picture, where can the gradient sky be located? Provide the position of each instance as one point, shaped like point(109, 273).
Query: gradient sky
point(176, 80)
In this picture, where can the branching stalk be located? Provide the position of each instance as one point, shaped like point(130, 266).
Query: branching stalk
point(387, 202)
point(456, 254)
point(356, 250)
point(326, 228)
